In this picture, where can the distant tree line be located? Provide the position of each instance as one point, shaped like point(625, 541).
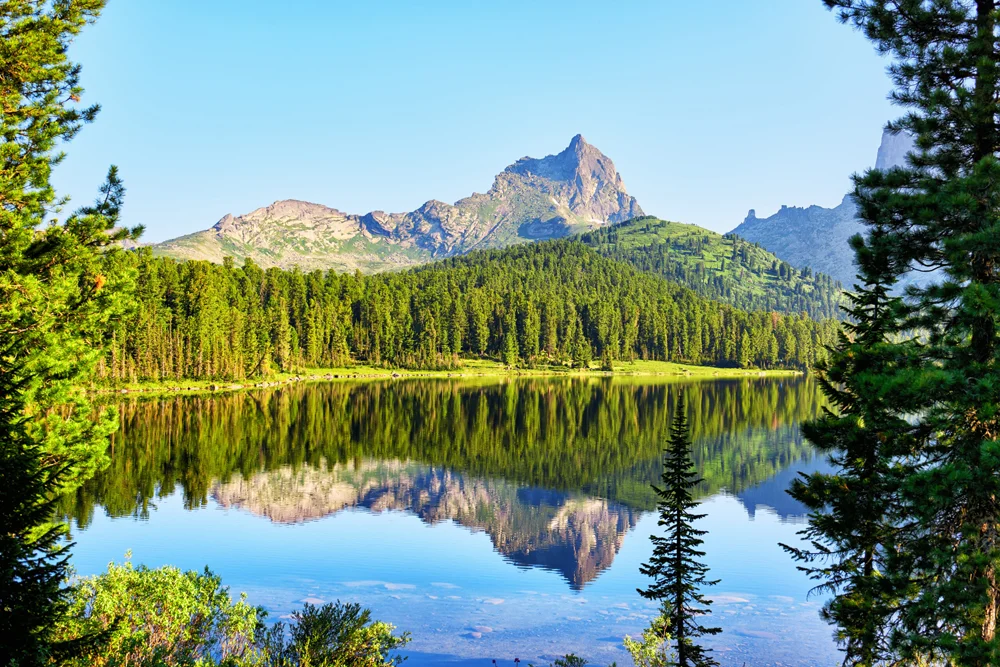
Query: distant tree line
point(556, 301)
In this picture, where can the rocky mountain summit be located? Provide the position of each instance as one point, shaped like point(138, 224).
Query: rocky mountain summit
point(816, 236)
point(532, 199)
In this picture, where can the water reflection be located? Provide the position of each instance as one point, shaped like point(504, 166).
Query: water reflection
point(556, 472)
point(772, 495)
point(573, 534)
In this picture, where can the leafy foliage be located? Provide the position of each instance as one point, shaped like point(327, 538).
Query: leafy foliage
point(166, 617)
point(653, 648)
point(60, 287)
point(333, 635)
point(678, 575)
point(722, 268)
point(163, 616)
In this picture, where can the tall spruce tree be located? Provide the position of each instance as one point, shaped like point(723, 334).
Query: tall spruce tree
point(853, 511)
point(61, 284)
point(943, 211)
point(678, 574)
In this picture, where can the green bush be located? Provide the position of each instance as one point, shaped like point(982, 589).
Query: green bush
point(334, 635)
point(164, 617)
point(159, 617)
point(653, 650)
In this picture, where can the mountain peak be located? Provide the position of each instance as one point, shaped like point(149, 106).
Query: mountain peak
point(893, 149)
point(818, 237)
point(579, 162)
point(575, 190)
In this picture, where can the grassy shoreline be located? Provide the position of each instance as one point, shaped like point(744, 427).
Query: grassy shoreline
point(468, 369)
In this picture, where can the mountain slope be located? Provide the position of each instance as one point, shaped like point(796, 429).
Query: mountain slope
point(813, 237)
point(722, 268)
point(816, 237)
point(575, 190)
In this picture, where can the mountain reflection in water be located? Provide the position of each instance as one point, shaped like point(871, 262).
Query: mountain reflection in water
point(572, 534)
point(554, 471)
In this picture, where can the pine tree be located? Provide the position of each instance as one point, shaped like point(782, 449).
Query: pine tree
point(33, 552)
point(61, 287)
point(745, 352)
point(854, 510)
point(583, 353)
point(510, 352)
point(943, 211)
point(678, 574)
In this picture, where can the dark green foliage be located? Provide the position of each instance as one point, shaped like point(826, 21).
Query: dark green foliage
point(942, 212)
point(721, 268)
point(555, 301)
point(854, 517)
point(32, 557)
point(678, 574)
point(60, 287)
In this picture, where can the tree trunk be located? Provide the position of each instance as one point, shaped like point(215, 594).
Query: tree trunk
point(983, 336)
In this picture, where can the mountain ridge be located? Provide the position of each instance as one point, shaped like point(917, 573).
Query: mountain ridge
point(574, 190)
point(817, 237)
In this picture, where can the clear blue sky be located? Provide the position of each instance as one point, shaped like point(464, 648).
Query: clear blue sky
point(708, 109)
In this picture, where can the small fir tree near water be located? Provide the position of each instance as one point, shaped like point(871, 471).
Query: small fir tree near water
point(678, 574)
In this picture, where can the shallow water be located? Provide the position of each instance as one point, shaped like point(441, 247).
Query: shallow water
point(494, 519)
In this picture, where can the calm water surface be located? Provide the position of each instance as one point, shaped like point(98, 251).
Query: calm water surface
point(492, 519)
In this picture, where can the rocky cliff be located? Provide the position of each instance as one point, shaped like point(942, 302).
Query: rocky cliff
point(574, 190)
point(816, 236)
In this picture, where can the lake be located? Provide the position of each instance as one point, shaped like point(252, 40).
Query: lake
point(493, 518)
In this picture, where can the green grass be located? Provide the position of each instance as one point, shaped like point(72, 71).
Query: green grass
point(470, 368)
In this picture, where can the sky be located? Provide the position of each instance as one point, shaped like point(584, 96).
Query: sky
point(707, 109)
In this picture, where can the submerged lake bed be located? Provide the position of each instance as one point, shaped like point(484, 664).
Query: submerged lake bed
point(490, 519)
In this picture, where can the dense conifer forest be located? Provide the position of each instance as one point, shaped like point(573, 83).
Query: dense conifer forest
point(722, 268)
point(556, 301)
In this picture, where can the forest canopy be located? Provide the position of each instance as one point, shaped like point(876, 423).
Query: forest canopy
point(550, 302)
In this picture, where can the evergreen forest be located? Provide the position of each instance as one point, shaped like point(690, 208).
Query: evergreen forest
point(720, 267)
point(552, 302)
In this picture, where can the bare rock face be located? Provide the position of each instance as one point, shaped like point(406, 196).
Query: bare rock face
point(893, 150)
point(817, 237)
point(582, 179)
point(575, 190)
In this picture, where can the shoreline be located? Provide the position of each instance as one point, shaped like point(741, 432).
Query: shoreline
point(472, 370)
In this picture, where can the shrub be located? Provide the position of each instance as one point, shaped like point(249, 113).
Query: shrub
point(334, 635)
point(163, 617)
